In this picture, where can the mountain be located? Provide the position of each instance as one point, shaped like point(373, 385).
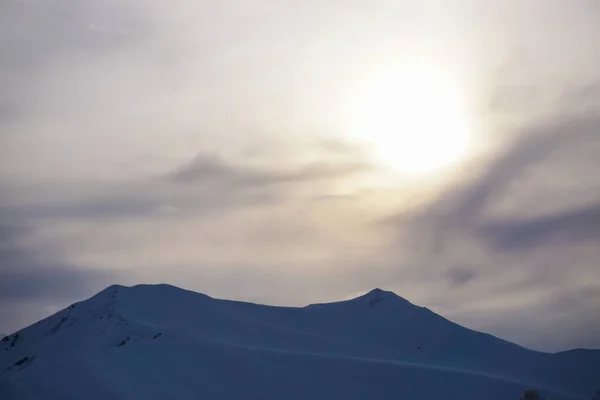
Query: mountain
point(162, 342)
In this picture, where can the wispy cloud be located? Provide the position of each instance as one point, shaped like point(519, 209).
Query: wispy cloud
point(203, 144)
point(34, 281)
point(513, 231)
point(210, 168)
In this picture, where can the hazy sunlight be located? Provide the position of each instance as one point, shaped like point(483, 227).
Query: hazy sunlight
point(413, 118)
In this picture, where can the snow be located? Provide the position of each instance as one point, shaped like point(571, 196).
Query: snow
point(159, 341)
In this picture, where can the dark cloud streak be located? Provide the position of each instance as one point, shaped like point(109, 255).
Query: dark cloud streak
point(212, 168)
point(570, 227)
point(30, 277)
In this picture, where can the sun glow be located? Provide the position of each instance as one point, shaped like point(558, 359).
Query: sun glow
point(414, 120)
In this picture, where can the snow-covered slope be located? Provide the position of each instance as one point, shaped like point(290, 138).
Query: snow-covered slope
point(162, 342)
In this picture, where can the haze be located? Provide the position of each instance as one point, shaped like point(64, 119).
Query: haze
point(295, 152)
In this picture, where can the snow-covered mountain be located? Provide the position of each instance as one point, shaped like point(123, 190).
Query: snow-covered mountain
point(162, 342)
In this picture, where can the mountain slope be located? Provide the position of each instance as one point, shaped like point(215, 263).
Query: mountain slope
point(159, 341)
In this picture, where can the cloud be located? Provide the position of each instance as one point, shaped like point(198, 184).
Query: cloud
point(206, 184)
point(570, 227)
point(211, 168)
point(530, 148)
point(524, 233)
point(460, 276)
point(38, 281)
point(210, 222)
point(204, 145)
point(32, 280)
point(498, 203)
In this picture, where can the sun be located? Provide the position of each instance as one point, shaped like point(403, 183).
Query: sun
point(414, 119)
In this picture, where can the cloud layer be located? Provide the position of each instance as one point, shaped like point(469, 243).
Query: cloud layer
point(204, 145)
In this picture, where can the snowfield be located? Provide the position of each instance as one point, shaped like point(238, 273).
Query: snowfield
point(162, 342)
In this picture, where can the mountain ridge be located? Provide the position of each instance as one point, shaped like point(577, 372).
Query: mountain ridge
point(157, 321)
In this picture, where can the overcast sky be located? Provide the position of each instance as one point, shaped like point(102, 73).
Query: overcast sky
point(205, 144)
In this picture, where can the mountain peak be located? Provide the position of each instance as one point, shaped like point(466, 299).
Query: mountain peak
point(378, 296)
point(95, 346)
point(379, 292)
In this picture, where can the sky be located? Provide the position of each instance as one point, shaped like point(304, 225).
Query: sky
point(298, 152)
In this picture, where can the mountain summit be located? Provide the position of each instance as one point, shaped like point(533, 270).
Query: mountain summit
point(160, 341)
point(378, 296)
